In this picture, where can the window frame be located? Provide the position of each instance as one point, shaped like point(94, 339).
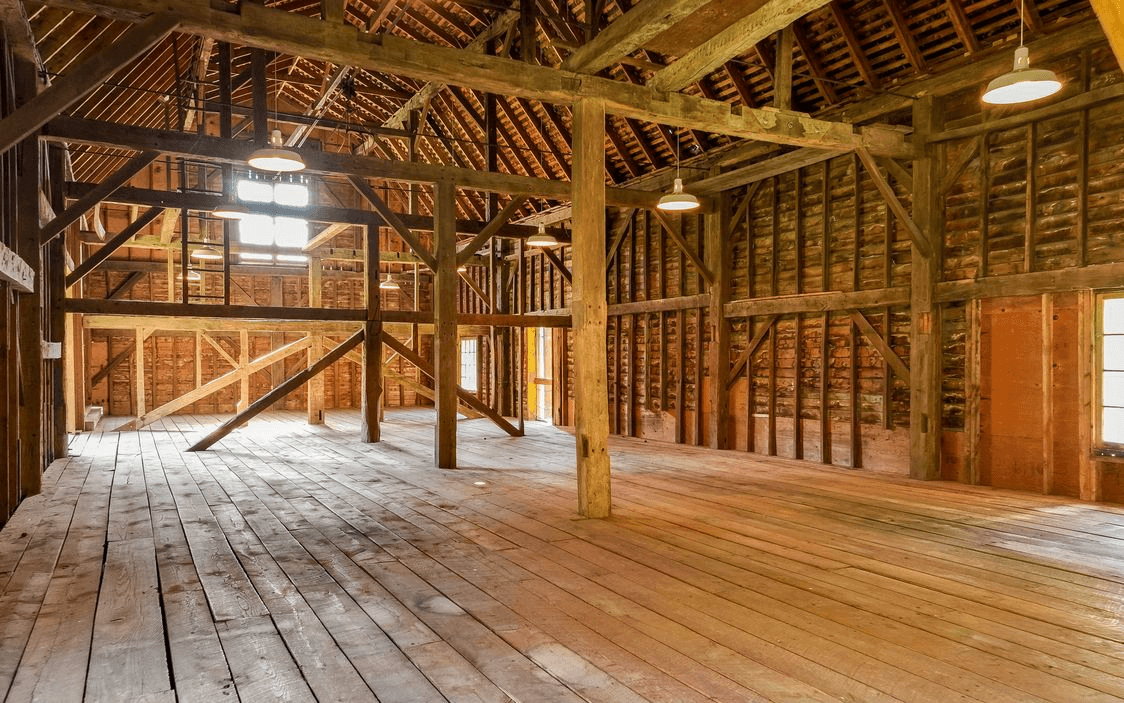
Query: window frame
point(475, 342)
point(1099, 335)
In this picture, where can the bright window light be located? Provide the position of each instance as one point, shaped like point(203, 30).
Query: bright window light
point(1112, 370)
point(255, 191)
point(292, 259)
point(264, 230)
point(256, 229)
point(469, 373)
point(255, 258)
point(291, 194)
point(290, 232)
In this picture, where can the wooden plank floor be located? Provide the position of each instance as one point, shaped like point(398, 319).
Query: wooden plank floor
point(294, 563)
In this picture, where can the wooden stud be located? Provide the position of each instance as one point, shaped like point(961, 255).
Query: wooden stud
point(715, 226)
point(1047, 394)
point(972, 365)
point(315, 400)
point(1088, 469)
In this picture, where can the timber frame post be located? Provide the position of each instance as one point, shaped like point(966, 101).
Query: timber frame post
point(716, 226)
point(590, 311)
point(925, 311)
point(369, 428)
point(445, 347)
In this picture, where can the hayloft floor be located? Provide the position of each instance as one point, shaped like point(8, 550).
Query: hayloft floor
point(295, 563)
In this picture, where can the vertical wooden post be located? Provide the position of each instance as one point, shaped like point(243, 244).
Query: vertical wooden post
point(316, 349)
point(925, 317)
point(243, 360)
point(1088, 470)
point(782, 75)
point(138, 356)
point(369, 428)
point(30, 305)
point(590, 310)
point(972, 362)
point(716, 225)
point(446, 353)
point(1047, 393)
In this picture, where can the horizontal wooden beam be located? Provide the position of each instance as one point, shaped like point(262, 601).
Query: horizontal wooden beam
point(761, 170)
point(219, 150)
point(206, 202)
point(255, 25)
point(99, 306)
point(817, 302)
point(15, 271)
point(1083, 101)
point(1100, 276)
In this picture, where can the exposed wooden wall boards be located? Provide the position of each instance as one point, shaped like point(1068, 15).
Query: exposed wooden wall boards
point(590, 315)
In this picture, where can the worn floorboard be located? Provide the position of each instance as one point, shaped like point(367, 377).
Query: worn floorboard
point(293, 562)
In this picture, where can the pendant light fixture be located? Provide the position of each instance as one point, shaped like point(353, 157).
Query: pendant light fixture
point(1022, 84)
point(542, 238)
point(388, 284)
point(677, 200)
point(207, 253)
point(276, 157)
point(231, 211)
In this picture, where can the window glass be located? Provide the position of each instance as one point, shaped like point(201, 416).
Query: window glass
point(290, 232)
point(468, 365)
point(1114, 316)
point(1113, 428)
point(291, 194)
point(256, 229)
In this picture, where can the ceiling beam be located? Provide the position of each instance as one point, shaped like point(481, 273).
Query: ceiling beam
point(220, 150)
point(629, 32)
point(735, 40)
point(256, 25)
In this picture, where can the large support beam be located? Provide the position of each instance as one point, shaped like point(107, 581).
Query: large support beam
point(369, 428)
point(29, 424)
point(738, 38)
point(445, 348)
point(590, 311)
point(287, 32)
point(645, 21)
point(1111, 15)
point(290, 385)
point(925, 313)
point(82, 80)
point(716, 225)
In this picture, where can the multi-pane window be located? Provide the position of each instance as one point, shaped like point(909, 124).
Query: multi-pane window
point(543, 362)
point(468, 365)
point(1111, 355)
point(269, 231)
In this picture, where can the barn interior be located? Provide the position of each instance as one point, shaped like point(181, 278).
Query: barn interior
point(562, 350)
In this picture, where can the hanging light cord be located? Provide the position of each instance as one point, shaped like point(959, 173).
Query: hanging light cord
point(1022, 23)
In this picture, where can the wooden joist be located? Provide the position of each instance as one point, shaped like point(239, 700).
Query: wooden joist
point(1111, 15)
